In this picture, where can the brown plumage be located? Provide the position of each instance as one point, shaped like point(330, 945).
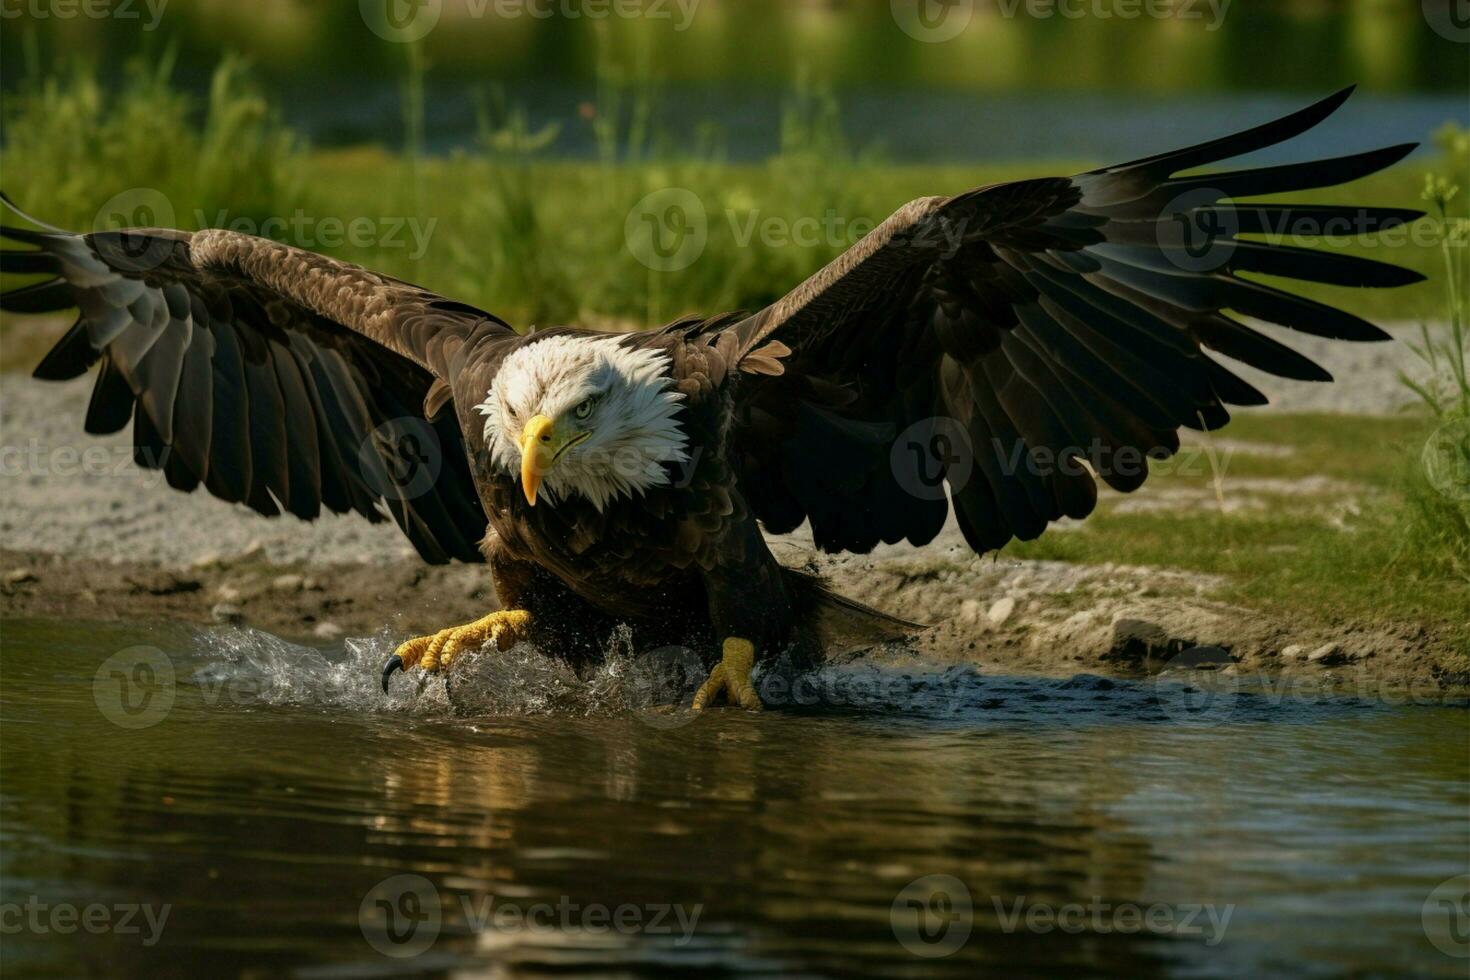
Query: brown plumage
point(1052, 314)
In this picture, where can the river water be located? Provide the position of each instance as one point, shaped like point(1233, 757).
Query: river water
point(221, 802)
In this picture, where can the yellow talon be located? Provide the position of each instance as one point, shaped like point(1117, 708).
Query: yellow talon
point(732, 676)
point(504, 629)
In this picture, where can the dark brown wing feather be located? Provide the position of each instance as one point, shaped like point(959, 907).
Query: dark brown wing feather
point(276, 377)
point(1059, 318)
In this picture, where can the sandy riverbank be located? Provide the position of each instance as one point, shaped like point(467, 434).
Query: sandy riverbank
point(93, 537)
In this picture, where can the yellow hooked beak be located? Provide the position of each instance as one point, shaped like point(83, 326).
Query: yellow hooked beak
point(542, 444)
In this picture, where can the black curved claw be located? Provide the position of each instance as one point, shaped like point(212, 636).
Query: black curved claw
point(395, 663)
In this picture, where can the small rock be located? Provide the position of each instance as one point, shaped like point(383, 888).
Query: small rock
point(1292, 651)
point(228, 593)
point(18, 576)
point(208, 560)
point(287, 583)
point(969, 612)
point(223, 612)
point(327, 630)
point(1327, 655)
point(1001, 611)
point(255, 549)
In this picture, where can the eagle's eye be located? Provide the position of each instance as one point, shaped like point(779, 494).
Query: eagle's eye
point(583, 411)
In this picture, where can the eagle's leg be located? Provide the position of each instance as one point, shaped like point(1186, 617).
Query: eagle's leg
point(749, 608)
point(732, 676)
point(504, 628)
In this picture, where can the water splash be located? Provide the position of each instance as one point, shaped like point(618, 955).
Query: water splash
point(248, 666)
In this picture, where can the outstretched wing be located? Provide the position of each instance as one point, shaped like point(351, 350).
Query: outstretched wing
point(275, 377)
point(992, 340)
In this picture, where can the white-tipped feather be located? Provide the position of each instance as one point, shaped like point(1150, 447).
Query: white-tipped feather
point(633, 430)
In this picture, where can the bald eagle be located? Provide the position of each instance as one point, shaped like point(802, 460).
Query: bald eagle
point(627, 478)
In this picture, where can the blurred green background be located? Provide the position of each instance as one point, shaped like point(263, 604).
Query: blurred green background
point(1010, 84)
point(522, 133)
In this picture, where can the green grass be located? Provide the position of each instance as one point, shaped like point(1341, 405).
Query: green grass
point(1327, 558)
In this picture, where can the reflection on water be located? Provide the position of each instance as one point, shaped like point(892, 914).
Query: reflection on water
point(277, 814)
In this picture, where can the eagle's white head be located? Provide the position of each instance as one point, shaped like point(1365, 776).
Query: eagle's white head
point(589, 416)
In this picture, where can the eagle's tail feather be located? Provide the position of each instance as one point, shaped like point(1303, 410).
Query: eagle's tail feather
point(843, 624)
